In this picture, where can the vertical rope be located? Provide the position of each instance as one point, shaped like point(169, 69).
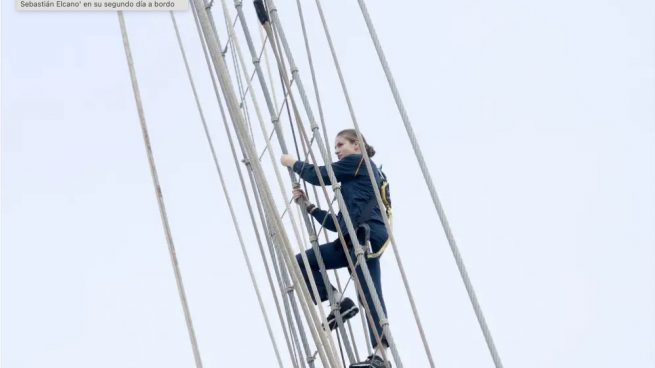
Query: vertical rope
point(313, 73)
point(227, 196)
point(433, 193)
point(288, 292)
point(308, 221)
point(375, 186)
point(336, 187)
point(228, 92)
point(306, 218)
point(158, 193)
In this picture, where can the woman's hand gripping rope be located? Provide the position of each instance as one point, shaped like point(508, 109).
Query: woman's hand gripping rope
point(300, 197)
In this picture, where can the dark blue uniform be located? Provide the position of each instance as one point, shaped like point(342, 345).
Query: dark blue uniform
point(358, 194)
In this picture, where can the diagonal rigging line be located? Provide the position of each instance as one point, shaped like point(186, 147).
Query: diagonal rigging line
point(330, 204)
point(346, 216)
point(323, 186)
point(268, 101)
point(433, 192)
point(302, 292)
point(327, 342)
point(327, 144)
point(229, 39)
point(160, 198)
point(237, 73)
point(374, 184)
point(206, 52)
point(237, 51)
point(252, 76)
point(284, 102)
point(227, 195)
point(285, 210)
point(311, 229)
point(264, 35)
point(229, 43)
point(268, 141)
point(239, 124)
point(276, 41)
point(351, 230)
point(236, 54)
point(313, 73)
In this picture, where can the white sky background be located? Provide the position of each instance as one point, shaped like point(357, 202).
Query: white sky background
point(537, 122)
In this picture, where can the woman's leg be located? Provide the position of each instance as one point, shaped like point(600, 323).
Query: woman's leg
point(333, 258)
point(374, 269)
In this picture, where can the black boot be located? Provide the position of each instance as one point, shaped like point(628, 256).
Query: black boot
point(347, 309)
point(373, 361)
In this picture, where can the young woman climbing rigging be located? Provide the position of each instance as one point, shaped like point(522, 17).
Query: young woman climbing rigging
point(360, 200)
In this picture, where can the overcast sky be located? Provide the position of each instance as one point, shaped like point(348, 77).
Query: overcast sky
point(537, 121)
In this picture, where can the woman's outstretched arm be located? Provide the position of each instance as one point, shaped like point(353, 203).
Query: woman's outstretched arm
point(343, 169)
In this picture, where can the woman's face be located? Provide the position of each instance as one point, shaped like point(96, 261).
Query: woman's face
point(343, 147)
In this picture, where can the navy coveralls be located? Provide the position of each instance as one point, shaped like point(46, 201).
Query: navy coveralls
point(357, 193)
